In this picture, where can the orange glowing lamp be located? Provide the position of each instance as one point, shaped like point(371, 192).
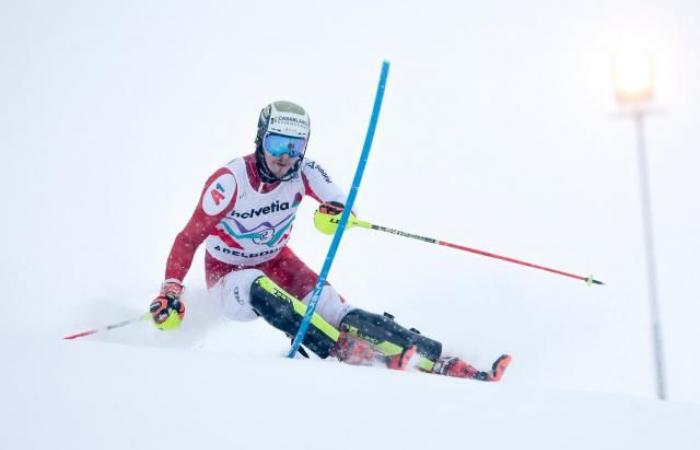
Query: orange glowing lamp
point(633, 78)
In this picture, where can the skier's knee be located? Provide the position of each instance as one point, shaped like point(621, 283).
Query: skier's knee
point(383, 332)
point(331, 306)
point(233, 293)
point(272, 304)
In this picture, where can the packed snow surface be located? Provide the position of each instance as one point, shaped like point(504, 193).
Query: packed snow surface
point(92, 394)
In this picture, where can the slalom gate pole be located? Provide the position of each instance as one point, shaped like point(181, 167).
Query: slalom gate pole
point(370, 226)
point(311, 307)
point(108, 327)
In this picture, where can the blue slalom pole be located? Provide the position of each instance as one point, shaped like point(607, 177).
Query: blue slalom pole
point(311, 307)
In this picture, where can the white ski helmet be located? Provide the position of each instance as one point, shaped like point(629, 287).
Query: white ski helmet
point(286, 119)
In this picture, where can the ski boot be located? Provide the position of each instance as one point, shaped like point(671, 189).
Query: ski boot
point(352, 350)
point(455, 367)
point(400, 361)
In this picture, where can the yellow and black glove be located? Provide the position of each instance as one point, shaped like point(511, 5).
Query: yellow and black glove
point(168, 310)
point(327, 217)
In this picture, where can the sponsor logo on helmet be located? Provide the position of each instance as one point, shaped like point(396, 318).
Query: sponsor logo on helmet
point(288, 120)
point(291, 126)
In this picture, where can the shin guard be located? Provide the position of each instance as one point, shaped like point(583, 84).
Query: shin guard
point(389, 337)
point(284, 312)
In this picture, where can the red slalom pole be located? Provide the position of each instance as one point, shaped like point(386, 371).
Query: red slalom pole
point(363, 224)
point(108, 327)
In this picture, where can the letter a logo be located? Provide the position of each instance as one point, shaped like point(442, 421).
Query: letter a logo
point(217, 196)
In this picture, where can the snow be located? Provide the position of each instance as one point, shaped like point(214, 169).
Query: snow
point(212, 384)
point(86, 395)
point(497, 132)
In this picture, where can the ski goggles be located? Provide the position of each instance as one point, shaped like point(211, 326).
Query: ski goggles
point(278, 145)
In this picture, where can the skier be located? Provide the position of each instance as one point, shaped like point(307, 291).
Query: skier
point(245, 214)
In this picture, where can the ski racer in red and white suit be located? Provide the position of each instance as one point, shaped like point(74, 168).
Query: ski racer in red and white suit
point(246, 224)
point(245, 214)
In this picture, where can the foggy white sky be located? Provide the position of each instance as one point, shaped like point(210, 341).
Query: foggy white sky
point(497, 132)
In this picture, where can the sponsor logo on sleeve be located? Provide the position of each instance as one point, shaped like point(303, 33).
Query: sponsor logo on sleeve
point(315, 166)
point(219, 194)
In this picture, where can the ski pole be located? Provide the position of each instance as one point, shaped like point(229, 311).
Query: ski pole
point(354, 222)
point(108, 327)
point(315, 295)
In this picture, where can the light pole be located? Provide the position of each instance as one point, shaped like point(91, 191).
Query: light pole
point(633, 79)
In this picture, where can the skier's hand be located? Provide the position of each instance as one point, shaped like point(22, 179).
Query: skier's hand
point(168, 310)
point(332, 208)
point(327, 217)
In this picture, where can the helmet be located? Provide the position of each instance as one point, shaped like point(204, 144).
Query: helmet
point(285, 119)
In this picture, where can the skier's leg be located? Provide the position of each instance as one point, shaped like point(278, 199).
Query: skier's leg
point(389, 337)
point(284, 312)
point(290, 273)
point(232, 291)
point(331, 306)
point(247, 294)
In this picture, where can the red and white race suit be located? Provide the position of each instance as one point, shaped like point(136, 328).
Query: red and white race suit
point(246, 224)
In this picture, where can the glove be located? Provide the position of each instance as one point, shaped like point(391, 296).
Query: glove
point(332, 208)
point(327, 217)
point(167, 310)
